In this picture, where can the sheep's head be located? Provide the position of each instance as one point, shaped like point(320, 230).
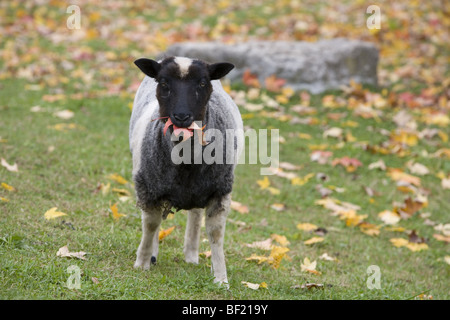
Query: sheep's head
point(184, 86)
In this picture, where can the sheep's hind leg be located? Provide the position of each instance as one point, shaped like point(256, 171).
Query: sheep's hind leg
point(148, 248)
point(216, 216)
point(192, 235)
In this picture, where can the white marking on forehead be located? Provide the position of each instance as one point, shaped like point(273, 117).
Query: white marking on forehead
point(183, 64)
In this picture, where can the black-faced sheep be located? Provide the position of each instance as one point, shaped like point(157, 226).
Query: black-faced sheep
point(176, 92)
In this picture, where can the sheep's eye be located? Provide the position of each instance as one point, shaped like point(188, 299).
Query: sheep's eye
point(202, 84)
point(165, 91)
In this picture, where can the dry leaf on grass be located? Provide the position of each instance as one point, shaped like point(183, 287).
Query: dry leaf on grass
point(64, 252)
point(12, 168)
point(165, 233)
point(52, 214)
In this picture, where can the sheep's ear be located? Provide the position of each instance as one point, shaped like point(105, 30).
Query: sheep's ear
point(148, 66)
point(219, 70)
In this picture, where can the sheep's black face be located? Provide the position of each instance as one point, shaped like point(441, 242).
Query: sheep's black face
point(184, 86)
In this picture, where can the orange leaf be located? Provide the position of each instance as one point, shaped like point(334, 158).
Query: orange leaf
point(165, 233)
point(274, 84)
point(250, 79)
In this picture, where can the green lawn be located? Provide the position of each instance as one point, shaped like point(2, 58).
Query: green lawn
point(63, 167)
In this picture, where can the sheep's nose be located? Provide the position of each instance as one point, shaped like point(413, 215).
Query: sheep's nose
point(181, 116)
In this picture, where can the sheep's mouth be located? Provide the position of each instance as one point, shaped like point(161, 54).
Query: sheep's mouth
point(187, 132)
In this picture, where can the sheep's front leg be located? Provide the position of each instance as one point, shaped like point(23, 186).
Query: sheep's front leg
point(148, 249)
point(216, 215)
point(192, 235)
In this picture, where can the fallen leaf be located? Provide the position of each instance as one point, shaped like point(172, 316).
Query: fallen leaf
point(326, 257)
point(95, 280)
point(399, 175)
point(118, 178)
point(254, 286)
point(418, 168)
point(389, 217)
point(52, 214)
point(264, 183)
point(115, 212)
point(313, 240)
point(308, 266)
point(165, 233)
point(239, 207)
point(350, 164)
point(282, 240)
point(300, 181)
point(377, 165)
point(64, 114)
point(274, 84)
point(306, 226)
point(440, 237)
point(64, 252)
point(263, 245)
point(250, 79)
point(12, 168)
point(8, 187)
point(333, 132)
point(399, 242)
point(278, 207)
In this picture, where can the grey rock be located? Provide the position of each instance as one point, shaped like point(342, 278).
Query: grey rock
point(326, 64)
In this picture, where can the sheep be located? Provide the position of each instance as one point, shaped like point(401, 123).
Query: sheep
point(181, 90)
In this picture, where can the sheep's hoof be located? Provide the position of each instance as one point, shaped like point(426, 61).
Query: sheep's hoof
point(191, 258)
point(153, 260)
point(142, 264)
point(222, 283)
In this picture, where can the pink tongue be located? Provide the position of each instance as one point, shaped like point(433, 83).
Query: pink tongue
point(187, 132)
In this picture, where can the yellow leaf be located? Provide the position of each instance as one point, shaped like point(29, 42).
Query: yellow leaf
point(396, 229)
point(260, 259)
point(280, 239)
point(117, 178)
point(274, 191)
point(305, 136)
point(165, 233)
point(299, 181)
point(398, 175)
point(399, 242)
point(264, 183)
point(369, 229)
point(4, 199)
point(417, 246)
point(276, 255)
point(313, 240)
point(122, 192)
point(115, 212)
point(306, 226)
point(8, 187)
point(52, 214)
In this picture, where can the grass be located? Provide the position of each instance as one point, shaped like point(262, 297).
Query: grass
point(84, 157)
